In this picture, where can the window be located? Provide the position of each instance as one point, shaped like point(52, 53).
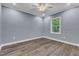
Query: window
point(56, 25)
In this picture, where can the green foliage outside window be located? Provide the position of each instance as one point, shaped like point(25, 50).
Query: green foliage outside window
point(55, 23)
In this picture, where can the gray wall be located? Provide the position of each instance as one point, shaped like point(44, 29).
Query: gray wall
point(0, 23)
point(18, 26)
point(70, 26)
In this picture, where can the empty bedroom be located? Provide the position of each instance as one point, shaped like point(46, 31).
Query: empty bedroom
point(39, 29)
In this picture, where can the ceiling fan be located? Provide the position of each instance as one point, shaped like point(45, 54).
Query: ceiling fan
point(42, 7)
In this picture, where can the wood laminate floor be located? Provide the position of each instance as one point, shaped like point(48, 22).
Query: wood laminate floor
point(40, 47)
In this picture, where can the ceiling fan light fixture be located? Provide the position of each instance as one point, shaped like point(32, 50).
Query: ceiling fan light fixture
point(43, 7)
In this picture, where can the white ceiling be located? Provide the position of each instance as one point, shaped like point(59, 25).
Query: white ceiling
point(28, 8)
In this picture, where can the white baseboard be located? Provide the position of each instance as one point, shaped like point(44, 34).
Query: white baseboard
point(70, 43)
point(6, 44)
point(66, 42)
